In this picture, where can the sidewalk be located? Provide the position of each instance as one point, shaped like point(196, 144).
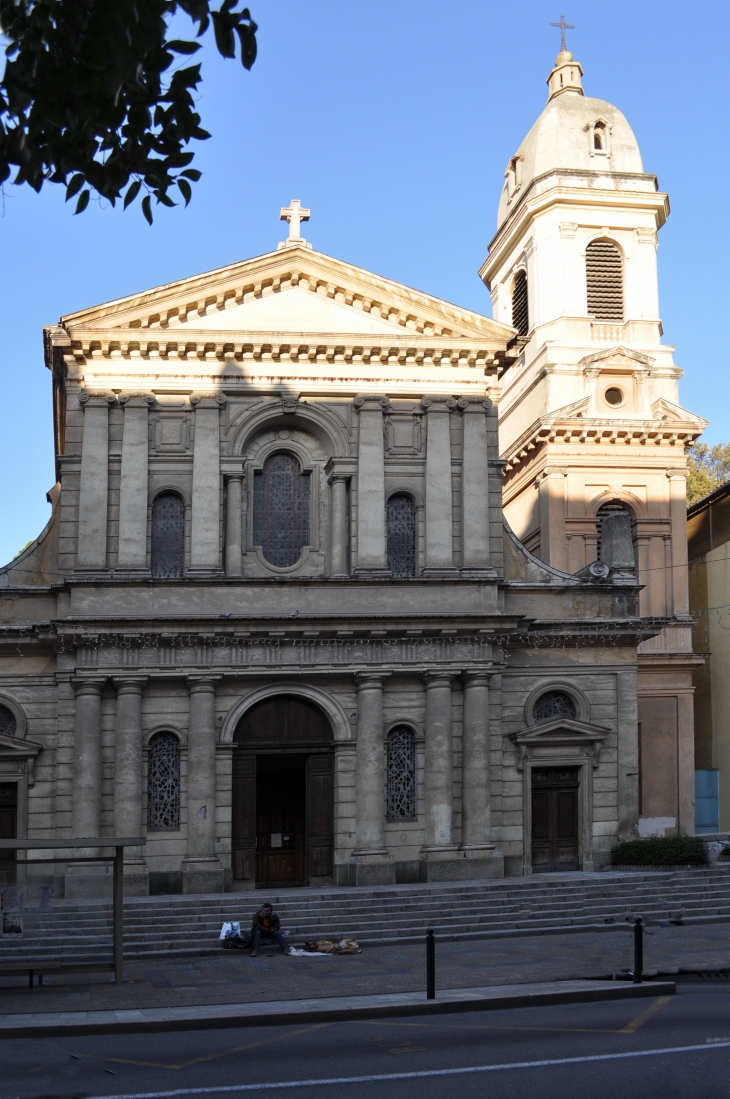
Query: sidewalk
point(325, 1010)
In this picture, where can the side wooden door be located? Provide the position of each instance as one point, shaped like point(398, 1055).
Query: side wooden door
point(243, 841)
point(320, 817)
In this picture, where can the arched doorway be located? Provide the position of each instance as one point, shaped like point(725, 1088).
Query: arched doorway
point(283, 795)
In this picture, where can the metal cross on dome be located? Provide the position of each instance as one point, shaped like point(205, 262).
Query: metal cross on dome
point(563, 28)
point(294, 213)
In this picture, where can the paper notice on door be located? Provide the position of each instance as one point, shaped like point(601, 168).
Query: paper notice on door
point(12, 925)
point(276, 839)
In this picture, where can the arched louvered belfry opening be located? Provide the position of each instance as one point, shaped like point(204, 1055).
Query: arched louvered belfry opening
point(605, 281)
point(612, 508)
point(167, 545)
point(281, 510)
point(520, 308)
point(401, 532)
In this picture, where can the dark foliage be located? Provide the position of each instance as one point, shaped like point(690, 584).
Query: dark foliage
point(85, 100)
point(660, 851)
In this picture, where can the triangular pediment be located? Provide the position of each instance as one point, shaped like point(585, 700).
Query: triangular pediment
point(14, 747)
point(620, 358)
point(294, 290)
point(665, 410)
point(560, 730)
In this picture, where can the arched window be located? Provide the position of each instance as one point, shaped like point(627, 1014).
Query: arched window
point(168, 535)
point(618, 549)
point(8, 724)
point(605, 280)
point(402, 535)
point(554, 704)
point(599, 137)
point(281, 510)
point(401, 774)
point(163, 783)
point(520, 311)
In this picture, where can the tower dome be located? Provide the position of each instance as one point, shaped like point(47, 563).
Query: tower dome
point(575, 132)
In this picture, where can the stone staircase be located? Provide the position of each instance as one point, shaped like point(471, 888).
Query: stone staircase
point(179, 926)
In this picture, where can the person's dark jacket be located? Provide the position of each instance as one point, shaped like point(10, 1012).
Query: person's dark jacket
point(272, 924)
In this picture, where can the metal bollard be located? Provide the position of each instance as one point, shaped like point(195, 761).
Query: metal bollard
point(430, 965)
point(638, 949)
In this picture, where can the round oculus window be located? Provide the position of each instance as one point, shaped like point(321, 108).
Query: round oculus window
point(613, 396)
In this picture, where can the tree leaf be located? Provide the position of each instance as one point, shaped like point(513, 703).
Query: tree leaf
point(75, 185)
point(192, 173)
point(147, 208)
point(185, 190)
point(180, 46)
point(83, 201)
point(132, 193)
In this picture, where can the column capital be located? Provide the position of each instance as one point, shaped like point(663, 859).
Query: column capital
point(136, 400)
point(438, 403)
point(96, 400)
point(477, 677)
point(198, 400)
point(341, 468)
point(202, 683)
point(88, 685)
point(439, 678)
point(371, 402)
point(370, 679)
point(130, 684)
point(474, 404)
point(238, 476)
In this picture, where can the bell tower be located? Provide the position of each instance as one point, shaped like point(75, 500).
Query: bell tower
point(590, 421)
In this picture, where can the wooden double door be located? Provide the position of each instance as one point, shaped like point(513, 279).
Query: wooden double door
point(555, 843)
point(283, 795)
point(8, 829)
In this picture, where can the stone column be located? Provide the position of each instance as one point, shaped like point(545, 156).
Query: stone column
point(128, 780)
point(84, 880)
point(474, 487)
point(234, 524)
point(475, 763)
point(373, 863)
point(371, 550)
point(201, 868)
point(205, 526)
point(439, 511)
point(338, 527)
point(133, 490)
point(439, 777)
point(94, 482)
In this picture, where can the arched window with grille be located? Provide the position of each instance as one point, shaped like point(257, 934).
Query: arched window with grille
point(401, 523)
point(605, 281)
point(8, 724)
point(599, 137)
point(554, 704)
point(167, 548)
point(163, 783)
point(617, 549)
point(401, 800)
point(520, 309)
point(281, 510)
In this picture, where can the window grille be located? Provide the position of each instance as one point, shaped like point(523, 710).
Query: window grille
point(605, 279)
point(554, 704)
point(163, 783)
point(401, 774)
point(401, 522)
point(8, 726)
point(281, 510)
point(168, 535)
point(520, 310)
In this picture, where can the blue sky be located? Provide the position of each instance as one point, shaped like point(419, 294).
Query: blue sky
point(393, 121)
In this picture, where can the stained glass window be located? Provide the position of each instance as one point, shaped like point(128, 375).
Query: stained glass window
point(7, 721)
point(401, 774)
point(402, 535)
point(168, 535)
point(281, 510)
point(163, 783)
point(554, 704)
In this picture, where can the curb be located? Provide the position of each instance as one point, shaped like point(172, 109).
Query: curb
point(326, 1010)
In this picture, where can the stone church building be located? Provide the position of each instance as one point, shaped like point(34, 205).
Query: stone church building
point(277, 623)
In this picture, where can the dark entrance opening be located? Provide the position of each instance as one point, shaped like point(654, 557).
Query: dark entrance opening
point(283, 794)
point(554, 819)
point(8, 829)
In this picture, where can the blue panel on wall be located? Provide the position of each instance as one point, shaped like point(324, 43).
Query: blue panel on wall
point(707, 808)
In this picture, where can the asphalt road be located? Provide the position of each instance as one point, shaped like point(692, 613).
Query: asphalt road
point(655, 1049)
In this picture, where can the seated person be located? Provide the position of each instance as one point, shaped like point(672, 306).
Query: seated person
point(266, 924)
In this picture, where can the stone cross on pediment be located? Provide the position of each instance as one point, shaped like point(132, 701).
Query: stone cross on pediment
point(295, 214)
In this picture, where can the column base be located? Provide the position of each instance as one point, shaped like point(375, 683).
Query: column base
point(200, 573)
point(202, 876)
point(474, 863)
point(136, 879)
point(375, 573)
point(89, 881)
point(431, 573)
point(122, 573)
point(478, 573)
point(373, 868)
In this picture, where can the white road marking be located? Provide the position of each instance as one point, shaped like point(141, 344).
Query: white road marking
point(425, 1074)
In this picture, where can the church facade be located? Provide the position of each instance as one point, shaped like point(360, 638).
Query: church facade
point(277, 624)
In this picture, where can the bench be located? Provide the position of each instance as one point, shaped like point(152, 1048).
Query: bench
point(42, 969)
